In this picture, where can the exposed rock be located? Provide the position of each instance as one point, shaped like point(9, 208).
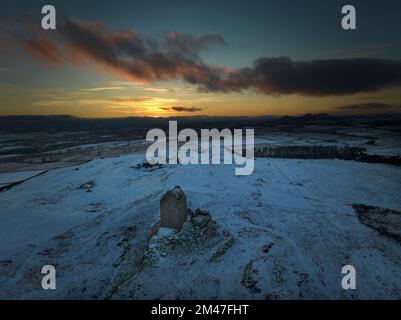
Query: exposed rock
point(199, 212)
point(248, 278)
point(148, 166)
point(87, 186)
point(201, 220)
point(199, 235)
point(385, 221)
point(221, 250)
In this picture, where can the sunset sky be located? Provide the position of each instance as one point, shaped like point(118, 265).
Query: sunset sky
point(216, 58)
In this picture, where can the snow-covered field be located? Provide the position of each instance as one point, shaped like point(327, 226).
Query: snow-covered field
point(284, 232)
point(16, 177)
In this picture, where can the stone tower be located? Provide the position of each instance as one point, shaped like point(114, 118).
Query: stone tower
point(173, 209)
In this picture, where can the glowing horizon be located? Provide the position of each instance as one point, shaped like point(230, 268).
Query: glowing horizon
point(146, 64)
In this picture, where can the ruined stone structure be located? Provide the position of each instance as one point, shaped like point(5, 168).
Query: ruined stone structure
point(173, 209)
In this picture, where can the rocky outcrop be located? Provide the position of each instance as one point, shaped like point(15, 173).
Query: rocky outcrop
point(199, 235)
point(385, 221)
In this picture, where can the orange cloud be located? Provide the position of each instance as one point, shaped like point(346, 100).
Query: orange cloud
point(45, 50)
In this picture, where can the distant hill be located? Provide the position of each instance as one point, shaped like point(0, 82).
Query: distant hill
point(28, 123)
point(320, 118)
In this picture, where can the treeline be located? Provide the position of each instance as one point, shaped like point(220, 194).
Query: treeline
point(325, 152)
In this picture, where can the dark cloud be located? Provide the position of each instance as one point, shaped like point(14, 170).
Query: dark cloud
point(191, 46)
point(325, 77)
point(368, 106)
point(140, 58)
point(280, 76)
point(185, 109)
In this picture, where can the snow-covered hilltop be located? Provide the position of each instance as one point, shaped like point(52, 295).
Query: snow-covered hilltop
point(284, 232)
